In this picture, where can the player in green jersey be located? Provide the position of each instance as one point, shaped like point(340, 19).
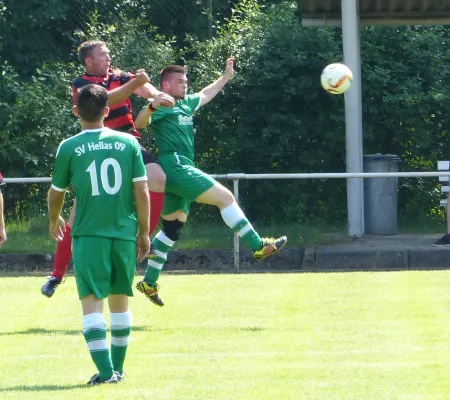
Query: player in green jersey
point(106, 170)
point(174, 134)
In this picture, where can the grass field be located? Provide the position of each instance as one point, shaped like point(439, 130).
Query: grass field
point(364, 336)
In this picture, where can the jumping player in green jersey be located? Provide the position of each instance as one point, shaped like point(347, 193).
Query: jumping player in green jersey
point(174, 134)
point(106, 169)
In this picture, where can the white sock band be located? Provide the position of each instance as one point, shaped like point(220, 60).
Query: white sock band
point(232, 215)
point(94, 320)
point(120, 320)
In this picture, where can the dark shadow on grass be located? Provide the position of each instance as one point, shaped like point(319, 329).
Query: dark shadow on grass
point(42, 388)
point(43, 331)
point(253, 329)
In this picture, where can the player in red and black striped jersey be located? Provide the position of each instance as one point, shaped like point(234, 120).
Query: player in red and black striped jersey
point(94, 56)
point(2, 219)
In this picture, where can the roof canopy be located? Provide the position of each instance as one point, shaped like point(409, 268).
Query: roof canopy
point(377, 12)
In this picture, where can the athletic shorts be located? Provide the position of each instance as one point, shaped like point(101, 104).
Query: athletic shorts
point(148, 157)
point(184, 183)
point(103, 266)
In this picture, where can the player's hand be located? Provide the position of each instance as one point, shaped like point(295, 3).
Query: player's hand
point(229, 69)
point(141, 77)
point(143, 246)
point(57, 229)
point(3, 237)
point(163, 99)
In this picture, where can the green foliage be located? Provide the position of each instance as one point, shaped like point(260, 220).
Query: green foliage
point(274, 112)
point(273, 117)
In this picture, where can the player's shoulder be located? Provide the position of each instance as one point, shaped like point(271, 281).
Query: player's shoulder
point(117, 74)
point(81, 81)
point(72, 141)
point(190, 101)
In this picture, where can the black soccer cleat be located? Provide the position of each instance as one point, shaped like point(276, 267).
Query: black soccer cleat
point(49, 287)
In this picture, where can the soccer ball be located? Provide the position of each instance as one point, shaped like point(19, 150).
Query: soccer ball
point(336, 78)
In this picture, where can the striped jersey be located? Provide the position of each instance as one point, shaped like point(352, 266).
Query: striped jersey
point(120, 115)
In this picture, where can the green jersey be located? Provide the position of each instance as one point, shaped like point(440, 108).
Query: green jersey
point(173, 128)
point(101, 165)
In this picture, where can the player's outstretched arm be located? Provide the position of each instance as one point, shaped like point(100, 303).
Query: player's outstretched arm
point(55, 201)
point(142, 202)
point(210, 91)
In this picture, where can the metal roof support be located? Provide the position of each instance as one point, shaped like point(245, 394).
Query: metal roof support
point(353, 117)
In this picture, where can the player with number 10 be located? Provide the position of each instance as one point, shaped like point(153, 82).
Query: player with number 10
point(106, 169)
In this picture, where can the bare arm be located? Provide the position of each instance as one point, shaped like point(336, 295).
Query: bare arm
point(135, 85)
point(142, 202)
point(210, 91)
point(143, 118)
point(2, 222)
point(146, 91)
point(55, 201)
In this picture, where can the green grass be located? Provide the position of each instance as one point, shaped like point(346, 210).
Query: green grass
point(362, 336)
point(32, 236)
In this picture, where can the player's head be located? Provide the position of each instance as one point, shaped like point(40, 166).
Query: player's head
point(92, 103)
point(173, 81)
point(94, 56)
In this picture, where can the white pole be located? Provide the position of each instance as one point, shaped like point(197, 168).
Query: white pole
point(353, 117)
point(235, 236)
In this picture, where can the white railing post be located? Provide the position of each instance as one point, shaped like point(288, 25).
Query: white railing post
point(236, 237)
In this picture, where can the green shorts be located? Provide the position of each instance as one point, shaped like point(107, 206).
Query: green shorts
point(103, 266)
point(184, 183)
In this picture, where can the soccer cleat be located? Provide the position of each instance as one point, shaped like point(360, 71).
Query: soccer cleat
point(49, 287)
point(151, 292)
point(120, 375)
point(95, 379)
point(270, 246)
point(443, 241)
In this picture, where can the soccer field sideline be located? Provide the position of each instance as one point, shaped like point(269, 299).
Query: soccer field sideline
point(371, 335)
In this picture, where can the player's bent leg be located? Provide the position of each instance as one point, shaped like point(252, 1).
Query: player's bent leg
point(262, 248)
point(163, 243)
point(218, 195)
point(62, 257)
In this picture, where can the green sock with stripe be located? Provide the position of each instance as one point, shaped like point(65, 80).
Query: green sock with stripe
point(94, 332)
point(161, 245)
point(234, 217)
point(120, 338)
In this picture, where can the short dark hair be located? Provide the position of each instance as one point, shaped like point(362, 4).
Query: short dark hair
point(171, 69)
point(91, 102)
point(84, 50)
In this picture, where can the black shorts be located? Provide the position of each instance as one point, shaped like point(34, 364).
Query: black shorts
point(148, 157)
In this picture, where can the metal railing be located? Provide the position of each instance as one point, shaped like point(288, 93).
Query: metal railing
point(236, 177)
